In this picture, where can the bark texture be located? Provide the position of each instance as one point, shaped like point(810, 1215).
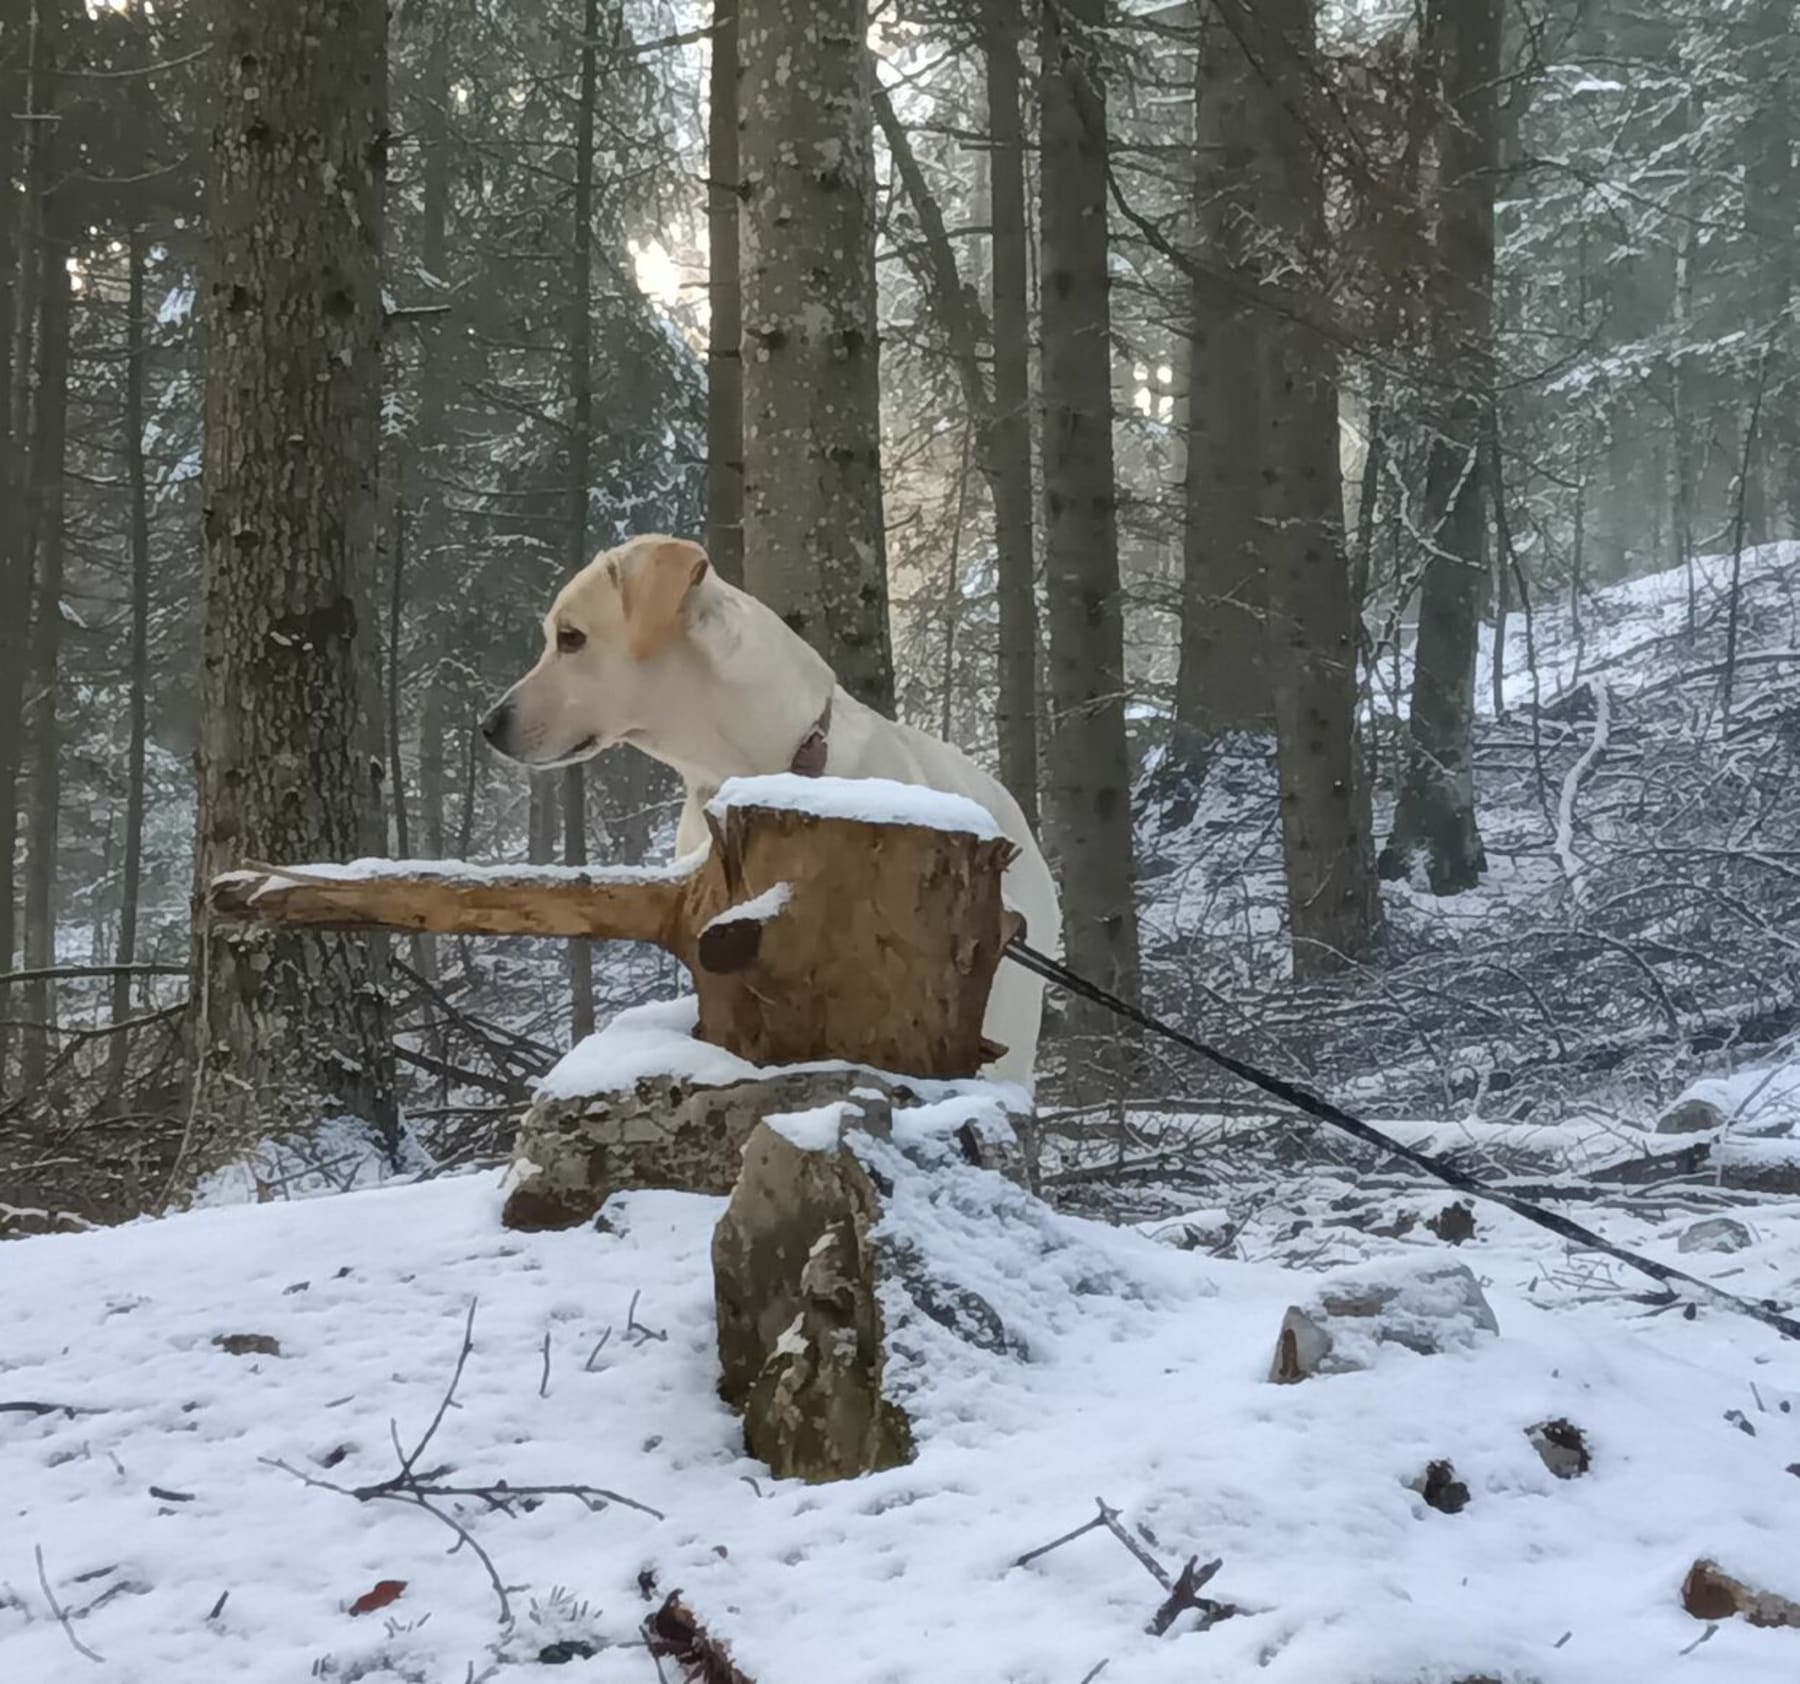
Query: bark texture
point(1003, 448)
point(1009, 445)
point(49, 439)
point(813, 540)
point(1434, 820)
point(1089, 786)
point(724, 360)
point(132, 867)
point(581, 437)
point(15, 37)
point(1333, 907)
point(1222, 680)
point(289, 1024)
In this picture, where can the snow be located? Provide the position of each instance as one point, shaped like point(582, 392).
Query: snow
point(650, 1040)
point(1137, 1375)
point(867, 800)
point(1758, 1099)
point(458, 873)
point(816, 1130)
point(658, 1040)
point(758, 909)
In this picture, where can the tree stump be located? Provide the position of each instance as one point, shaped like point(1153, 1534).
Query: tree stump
point(810, 934)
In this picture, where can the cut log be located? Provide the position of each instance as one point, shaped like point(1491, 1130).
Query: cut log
point(808, 936)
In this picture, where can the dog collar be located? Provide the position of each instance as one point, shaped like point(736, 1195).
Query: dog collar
point(809, 757)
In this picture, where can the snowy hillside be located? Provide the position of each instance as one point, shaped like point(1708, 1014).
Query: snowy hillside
point(165, 1483)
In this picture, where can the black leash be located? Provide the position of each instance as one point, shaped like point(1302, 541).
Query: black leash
point(1051, 970)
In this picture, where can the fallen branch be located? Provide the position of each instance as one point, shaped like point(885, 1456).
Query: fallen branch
point(1574, 868)
point(1183, 1588)
point(61, 1613)
point(407, 1486)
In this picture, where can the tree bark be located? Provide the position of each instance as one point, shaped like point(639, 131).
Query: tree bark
point(814, 548)
point(288, 1030)
point(48, 444)
point(132, 866)
point(1004, 448)
point(24, 81)
point(724, 359)
point(1434, 820)
point(581, 430)
point(1009, 450)
point(1333, 906)
point(1222, 681)
point(1089, 787)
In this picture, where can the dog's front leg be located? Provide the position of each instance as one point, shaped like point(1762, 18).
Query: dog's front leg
point(691, 834)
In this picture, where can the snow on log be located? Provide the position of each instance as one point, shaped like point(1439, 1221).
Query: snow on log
point(834, 920)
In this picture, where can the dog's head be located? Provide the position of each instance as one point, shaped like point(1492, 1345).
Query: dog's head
point(604, 636)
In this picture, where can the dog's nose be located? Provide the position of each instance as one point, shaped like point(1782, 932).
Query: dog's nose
point(499, 718)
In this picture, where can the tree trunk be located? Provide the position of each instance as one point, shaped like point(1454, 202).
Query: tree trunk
point(397, 537)
point(541, 817)
point(1009, 447)
point(1434, 820)
point(132, 868)
point(1221, 682)
point(1089, 788)
point(24, 81)
point(1333, 906)
point(1004, 448)
point(48, 443)
point(288, 1029)
point(581, 428)
point(813, 542)
point(724, 362)
point(1769, 193)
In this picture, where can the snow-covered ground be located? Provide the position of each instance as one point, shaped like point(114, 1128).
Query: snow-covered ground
point(181, 1551)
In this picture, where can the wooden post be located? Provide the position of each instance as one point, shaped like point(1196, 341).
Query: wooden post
point(807, 937)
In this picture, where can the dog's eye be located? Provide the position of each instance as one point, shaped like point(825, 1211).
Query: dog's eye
point(568, 640)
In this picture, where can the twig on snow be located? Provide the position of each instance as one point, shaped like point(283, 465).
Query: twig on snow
point(544, 1383)
point(635, 1329)
point(1183, 1589)
point(424, 1492)
point(61, 1613)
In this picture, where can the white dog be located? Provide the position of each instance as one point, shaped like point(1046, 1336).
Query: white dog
point(648, 646)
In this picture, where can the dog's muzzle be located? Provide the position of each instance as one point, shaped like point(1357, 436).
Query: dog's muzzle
point(498, 726)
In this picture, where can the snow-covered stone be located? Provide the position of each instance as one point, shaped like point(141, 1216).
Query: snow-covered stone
point(1428, 1310)
point(1714, 1233)
point(1691, 1116)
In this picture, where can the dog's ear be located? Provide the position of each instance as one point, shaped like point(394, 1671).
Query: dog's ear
point(653, 587)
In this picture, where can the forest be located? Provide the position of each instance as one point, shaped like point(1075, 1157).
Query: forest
point(1314, 483)
point(1251, 424)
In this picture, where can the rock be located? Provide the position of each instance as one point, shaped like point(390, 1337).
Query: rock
point(1714, 1233)
point(1710, 1593)
point(663, 1131)
point(1004, 1143)
point(1441, 1489)
point(795, 1279)
point(861, 1257)
point(1691, 1116)
point(1563, 1447)
point(1455, 1223)
point(1437, 1308)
